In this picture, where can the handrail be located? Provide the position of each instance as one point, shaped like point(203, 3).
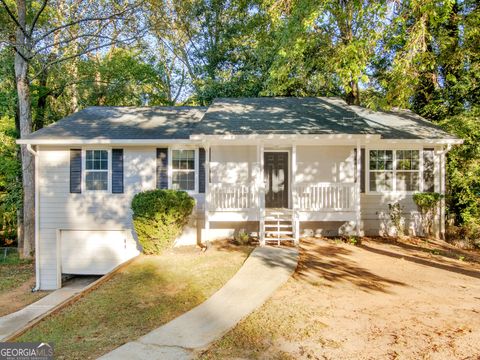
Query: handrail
point(319, 196)
point(323, 196)
point(224, 196)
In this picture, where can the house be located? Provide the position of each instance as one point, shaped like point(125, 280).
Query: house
point(277, 166)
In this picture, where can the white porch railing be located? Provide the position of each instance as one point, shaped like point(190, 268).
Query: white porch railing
point(229, 197)
point(322, 196)
point(326, 196)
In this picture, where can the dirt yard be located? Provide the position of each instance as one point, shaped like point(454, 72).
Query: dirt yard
point(397, 300)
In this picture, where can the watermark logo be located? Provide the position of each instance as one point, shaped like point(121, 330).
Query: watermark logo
point(26, 351)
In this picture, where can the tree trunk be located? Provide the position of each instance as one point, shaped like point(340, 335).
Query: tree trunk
point(353, 96)
point(39, 122)
point(19, 179)
point(25, 117)
point(74, 102)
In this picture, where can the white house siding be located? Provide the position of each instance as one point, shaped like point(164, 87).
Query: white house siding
point(325, 164)
point(232, 164)
point(375, 214)
point(61, 210)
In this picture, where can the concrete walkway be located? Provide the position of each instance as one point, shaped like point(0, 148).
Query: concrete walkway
point(265, 270)
point(13, 322)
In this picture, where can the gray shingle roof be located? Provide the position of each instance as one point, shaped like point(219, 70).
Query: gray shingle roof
point(282, 115)
point(105, 122)
point(275, 115)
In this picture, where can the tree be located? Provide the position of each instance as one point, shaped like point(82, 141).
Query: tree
point(326, 46)
point(95, 21)
point(216, 43)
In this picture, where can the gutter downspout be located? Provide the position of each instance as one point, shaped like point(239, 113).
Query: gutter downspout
point(443, 188)
point(37, 252)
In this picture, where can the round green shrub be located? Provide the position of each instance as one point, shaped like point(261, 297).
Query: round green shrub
point(159, 217)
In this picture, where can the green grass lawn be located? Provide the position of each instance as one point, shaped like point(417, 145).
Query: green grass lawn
point(17, 277)
point(14, 271)
point(149, 292)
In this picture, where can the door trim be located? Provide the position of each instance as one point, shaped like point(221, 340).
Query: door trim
point(289, 162)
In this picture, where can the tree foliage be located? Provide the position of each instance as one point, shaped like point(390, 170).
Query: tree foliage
point(417, 54)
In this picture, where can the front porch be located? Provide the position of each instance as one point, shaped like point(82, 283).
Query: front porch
point(281, 187)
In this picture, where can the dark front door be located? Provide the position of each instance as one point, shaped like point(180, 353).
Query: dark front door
point(276, 179)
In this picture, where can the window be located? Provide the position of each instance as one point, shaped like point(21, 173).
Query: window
point(96, 170)
point(381, 170)
point(183, 170)
point(408, 170)
point(391, 170)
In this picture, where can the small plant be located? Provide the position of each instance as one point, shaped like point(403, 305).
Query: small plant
point(354, 240)
point(461, 258)
point(427, 204)
point(243, 238)
point(159, 217)
point(395, 213)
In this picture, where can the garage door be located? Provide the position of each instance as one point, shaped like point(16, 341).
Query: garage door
point(94, 252)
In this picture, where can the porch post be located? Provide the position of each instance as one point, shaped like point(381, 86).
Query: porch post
point(293, 185)
point(261, 194)
point(207, 186)
point(357, 189)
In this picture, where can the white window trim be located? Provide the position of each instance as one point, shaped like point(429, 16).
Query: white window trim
point(84, 171)
point(394, 171)
point(196, 166)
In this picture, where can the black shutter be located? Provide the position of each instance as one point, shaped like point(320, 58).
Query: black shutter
point(117, 171)
point(201, 170)
point(75, 171)
point(362, 170)
point(162, 168)
point(428, 170)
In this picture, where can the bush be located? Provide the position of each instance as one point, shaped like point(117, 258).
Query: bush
point(242, 238)
point(427, 204)
point(159, 217)
point(395, 213)
point(466, 236)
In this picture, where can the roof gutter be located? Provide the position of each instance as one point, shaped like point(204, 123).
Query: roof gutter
point(37, 224)
point(198, 139)
point(282, 136)
point(140, 142)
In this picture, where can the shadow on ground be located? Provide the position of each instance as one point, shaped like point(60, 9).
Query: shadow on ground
point(410, 253)
point(321, 259)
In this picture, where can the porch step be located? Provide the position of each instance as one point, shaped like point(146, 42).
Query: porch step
point(277, 219)
point(278, 241)
point(283, 226)
point(278, 226)
point(280, 232)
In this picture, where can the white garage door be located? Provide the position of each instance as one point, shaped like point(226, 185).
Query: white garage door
point(94, 252)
